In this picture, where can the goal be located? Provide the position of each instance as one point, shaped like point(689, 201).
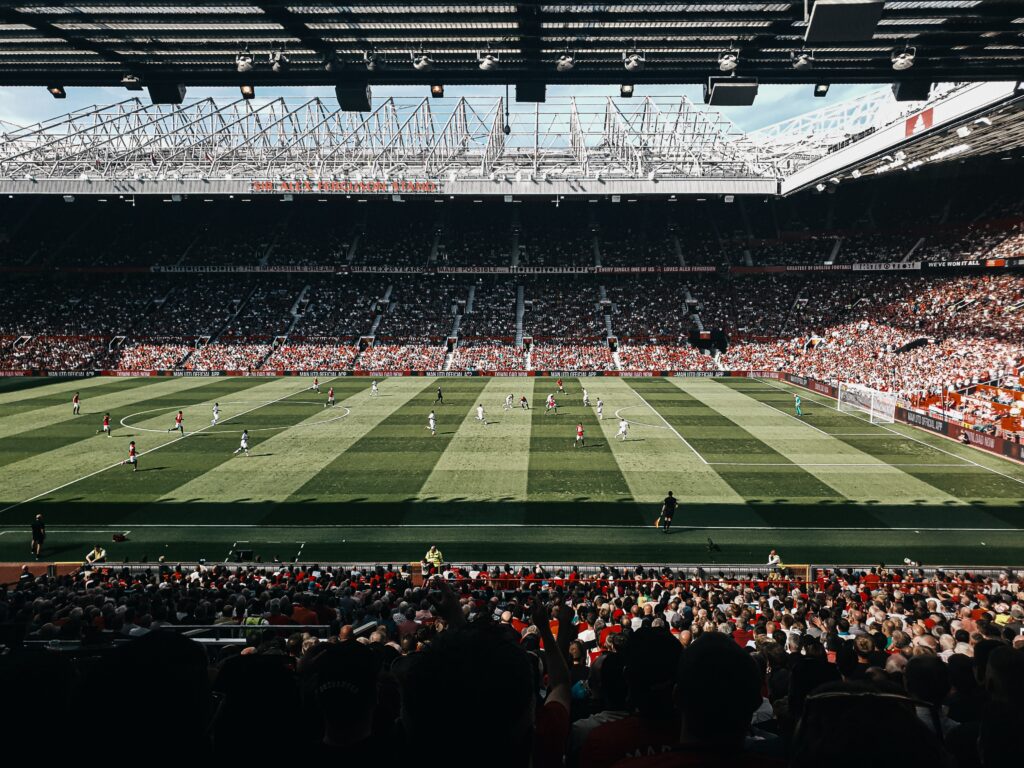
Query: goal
point(879, 406)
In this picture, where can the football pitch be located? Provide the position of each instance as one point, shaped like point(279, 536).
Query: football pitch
point(365, 481)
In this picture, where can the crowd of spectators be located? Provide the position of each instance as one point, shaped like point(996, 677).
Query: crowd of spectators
point(629, 667)
point(308, 356)
point(563, 307)
point(661, 357)
point(493, 313)
point(231, 356)
point(51, 353)
point(645, 308)
point(488, 356)
point(548, 356)
point(422, 309)
point(391, 239)
point(401, 357)
point(151, 356)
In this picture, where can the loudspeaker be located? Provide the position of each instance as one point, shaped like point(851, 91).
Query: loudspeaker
point(730, 91)
point(354, 97)
point(843, 21)
point(167, 93)
point(531, 92)
point(911, 90)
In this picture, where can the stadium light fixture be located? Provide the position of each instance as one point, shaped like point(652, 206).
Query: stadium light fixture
point(855, 173)
point(963, 131)
point(132, 82)
point(57, 91)
point(565, 62)
point(488, 61)
point(372, 61)
point(634, 61)
point(331, 63)
point(278, 61)
point(903, 60)
point(820, 90)
point(626, 90)
point(819, 187)
point(802, 60)
point(421, 62)
point(244, 62)
point(437, 91)
point(248, 91)
point(728, 60)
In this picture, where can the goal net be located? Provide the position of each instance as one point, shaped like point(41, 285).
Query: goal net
point(879, 406)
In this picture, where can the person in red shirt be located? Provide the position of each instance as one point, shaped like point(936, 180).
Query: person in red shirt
point(76, 405)
point(106, 425)
point(330, 398)
point(579, 437)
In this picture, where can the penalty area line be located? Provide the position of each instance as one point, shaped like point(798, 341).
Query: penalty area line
point(671, 428)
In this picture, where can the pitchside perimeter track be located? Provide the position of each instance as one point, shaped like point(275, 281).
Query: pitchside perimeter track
point(366, 481)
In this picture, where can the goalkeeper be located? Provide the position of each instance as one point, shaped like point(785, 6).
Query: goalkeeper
point(796, 402)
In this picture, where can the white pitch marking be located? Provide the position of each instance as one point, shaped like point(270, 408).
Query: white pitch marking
point(548, 525)
point(673, 429)
point(618, 415)
point(798, 464)
point(922, 442)
point(143, 453)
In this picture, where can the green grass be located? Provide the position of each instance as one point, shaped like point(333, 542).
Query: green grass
point(366, 481)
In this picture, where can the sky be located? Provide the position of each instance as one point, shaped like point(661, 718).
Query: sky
point(774, 103)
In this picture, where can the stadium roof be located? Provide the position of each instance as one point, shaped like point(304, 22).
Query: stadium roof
point(485, 146)
point(194, 43)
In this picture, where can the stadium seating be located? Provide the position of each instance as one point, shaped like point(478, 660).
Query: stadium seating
point(930, 660)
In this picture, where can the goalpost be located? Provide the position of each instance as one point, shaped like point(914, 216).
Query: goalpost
point(879, 406)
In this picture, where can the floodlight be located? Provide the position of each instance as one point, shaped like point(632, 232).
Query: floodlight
point(278, 61)
point(820, 90)
point(903, 60)
point(728, 60)
point(57, 91)
point(248, 91)
point(437, 91)
point(626, 90)
point(488, 61)
point(802, 61)
point(244, 62)
point(633, 61)
point(372, 61)
point(421, 62)
point(565, 62)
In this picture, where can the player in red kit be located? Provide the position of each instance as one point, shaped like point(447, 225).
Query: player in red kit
point(133, 457)
point(178, 426)
point(330, 398)
point(106, 425)
point(316, 384)
point(579, 437)
point(561, 388)
point(76, 405)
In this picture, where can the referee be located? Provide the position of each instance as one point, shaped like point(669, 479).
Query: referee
point(38, 536)
point(668, 508)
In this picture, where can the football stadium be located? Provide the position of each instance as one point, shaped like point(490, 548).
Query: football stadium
point(648, 374)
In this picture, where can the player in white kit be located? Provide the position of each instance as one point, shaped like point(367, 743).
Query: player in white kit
point(373, 389)
point(623, 429)
point(432, 423)
point(216, 415)
point(508, 402)
point(586, 398)
point(480, 415)
point(600, 408)
point(244, 445)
